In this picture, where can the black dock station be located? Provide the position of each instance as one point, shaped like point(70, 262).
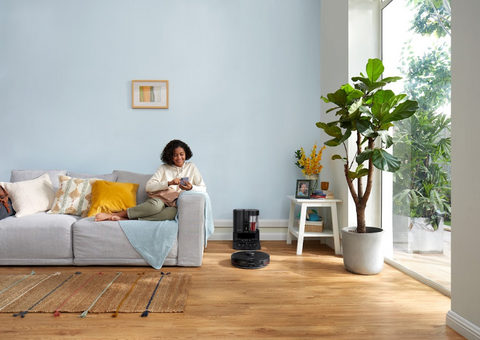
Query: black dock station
point(246, 235)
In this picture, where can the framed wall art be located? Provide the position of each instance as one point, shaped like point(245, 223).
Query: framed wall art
point(302, 189)
point(149, 94)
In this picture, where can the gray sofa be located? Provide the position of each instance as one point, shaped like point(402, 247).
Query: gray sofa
point(57, 239)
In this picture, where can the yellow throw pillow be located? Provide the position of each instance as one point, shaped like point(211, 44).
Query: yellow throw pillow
point(111, 197)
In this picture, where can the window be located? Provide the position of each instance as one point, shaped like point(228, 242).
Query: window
point(416, 46)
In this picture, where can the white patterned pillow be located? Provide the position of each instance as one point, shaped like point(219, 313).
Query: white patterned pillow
point(30, 197)
point(74, 196)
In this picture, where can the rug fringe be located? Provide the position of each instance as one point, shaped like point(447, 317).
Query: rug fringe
point(13, 284)
point(84, 314)
point(57, 311)
point(33, 306)
point(145, 313)
point(22, 314)
point(49, 276)
point(128, 293)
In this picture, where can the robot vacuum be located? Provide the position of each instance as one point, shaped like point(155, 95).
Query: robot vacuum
point(250, 259)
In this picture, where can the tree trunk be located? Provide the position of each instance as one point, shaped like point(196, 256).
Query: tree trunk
point(361, 227)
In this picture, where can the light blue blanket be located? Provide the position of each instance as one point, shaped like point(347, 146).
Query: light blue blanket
point(153, 240)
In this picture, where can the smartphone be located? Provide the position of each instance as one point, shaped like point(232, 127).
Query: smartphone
point(184, 180)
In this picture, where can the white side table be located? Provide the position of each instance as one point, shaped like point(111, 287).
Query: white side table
point(300, 233)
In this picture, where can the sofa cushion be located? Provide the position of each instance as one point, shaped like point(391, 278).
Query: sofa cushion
point(111, 197)
point(38, 239)
point(25, 175)
point(132, 177)
point(30, 197)
point(105, 243)
point(73, 197)
point(105, 177)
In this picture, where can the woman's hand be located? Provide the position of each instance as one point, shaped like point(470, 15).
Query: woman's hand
point(175, 181)
point(188, 186)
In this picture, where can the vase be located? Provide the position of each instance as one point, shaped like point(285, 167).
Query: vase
point(314, 182)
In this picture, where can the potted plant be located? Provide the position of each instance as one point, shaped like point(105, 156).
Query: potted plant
point(366, 111)
point(310, 166)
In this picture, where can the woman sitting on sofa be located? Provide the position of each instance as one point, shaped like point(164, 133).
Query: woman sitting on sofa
point(164, 186)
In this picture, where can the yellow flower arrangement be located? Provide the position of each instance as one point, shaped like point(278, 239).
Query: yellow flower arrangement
point(310, 165)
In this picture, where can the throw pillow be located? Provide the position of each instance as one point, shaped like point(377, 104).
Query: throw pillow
point(30, 197)
point(133, 177)
point(111, 197)
point(73, 197)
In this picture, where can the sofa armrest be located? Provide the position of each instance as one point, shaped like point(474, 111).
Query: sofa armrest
point(191, 229)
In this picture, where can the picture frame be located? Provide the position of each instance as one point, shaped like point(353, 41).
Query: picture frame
point(149, 94)
point(302, 189)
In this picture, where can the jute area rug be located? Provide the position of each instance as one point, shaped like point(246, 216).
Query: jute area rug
point(103, 292)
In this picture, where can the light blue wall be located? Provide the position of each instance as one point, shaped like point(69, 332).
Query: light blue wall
point(244, 90)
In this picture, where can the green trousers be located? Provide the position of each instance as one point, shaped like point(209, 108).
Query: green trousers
point(153, 209)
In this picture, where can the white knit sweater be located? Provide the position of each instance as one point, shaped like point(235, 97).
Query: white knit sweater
point(166, 173)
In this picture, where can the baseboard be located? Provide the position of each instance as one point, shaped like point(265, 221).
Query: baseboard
point(262, 223)
point(463, 326)
point(270, 230)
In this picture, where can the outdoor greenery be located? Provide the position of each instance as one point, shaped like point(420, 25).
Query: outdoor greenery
point(423, 142)
point(431, 17)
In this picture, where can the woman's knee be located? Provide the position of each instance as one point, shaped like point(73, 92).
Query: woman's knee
point(157, 205)
point(169, 213)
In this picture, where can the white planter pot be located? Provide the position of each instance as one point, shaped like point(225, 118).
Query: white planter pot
point(423, 239)
point(363, 253)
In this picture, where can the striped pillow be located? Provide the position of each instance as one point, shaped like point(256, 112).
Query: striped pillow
point(73, 197)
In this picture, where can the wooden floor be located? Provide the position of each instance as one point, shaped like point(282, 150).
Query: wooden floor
point(310, 296)
point(434, 267)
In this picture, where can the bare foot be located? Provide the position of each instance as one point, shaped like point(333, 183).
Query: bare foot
point(103, 217)
point(117, 218)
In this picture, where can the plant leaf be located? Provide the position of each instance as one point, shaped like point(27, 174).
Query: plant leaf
point(366, 82)
point(334, 157)
point(331, 129)
point(366, 129)
point(384, 161)
point(391, 79)
point(362, 172)
point(339, 97)
point(376, 85)
point(364, 156)
point(351, 92)
point(402, 111)
point(383, 96)
point(386, 138)
point(374, 69)
point(346, 135)
point(332, 142)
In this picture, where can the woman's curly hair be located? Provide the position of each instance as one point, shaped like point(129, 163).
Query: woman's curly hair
point(167, 153)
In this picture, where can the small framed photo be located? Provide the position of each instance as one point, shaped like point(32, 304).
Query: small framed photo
point(149, 94)
point(302, 189)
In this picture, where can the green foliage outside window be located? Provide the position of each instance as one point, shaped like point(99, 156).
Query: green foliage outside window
point(423, 142)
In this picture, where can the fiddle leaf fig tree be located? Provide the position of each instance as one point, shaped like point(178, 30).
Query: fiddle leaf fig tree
point(366, 111)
